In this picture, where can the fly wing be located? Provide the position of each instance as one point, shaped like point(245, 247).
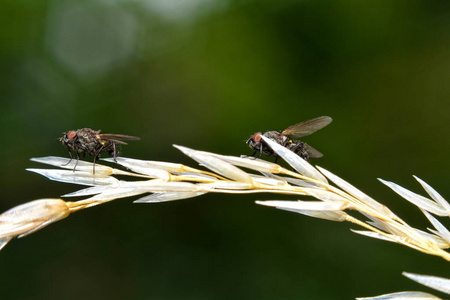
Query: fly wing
point(117, 138)
point(307, 127)
point(312, 152)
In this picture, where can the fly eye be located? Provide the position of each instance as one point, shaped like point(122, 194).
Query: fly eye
point(71, 134)
point(257, 137)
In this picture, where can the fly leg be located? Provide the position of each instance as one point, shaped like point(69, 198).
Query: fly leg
point(95, 160)
point(71, 157)
point(114, 152)
point(254, 152)
point(96, 157)
point(76, 163)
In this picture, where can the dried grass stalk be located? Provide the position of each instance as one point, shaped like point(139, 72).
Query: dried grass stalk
point(235, 175)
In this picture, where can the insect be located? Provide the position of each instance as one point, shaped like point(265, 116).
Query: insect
point(88, 141)
point(298, 130)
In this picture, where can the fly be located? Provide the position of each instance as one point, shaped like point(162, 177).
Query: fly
point(88, 141)
point(283, 138)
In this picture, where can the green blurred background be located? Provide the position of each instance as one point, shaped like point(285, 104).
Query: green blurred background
point(207, 74)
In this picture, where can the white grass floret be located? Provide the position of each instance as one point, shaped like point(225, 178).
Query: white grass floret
point(165, 197)
point(403, 296)
point(296, 162)
point(219, 166)
point(435, 195)
point(417, 199)
point(78, 177)
point(336, 216)
point(442, 231)
point(306, 205)
point(434, 282)
point(27, 218)
point(359, 196)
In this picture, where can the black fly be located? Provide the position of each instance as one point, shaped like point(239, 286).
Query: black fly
point(298, 130)
point(88, 141)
